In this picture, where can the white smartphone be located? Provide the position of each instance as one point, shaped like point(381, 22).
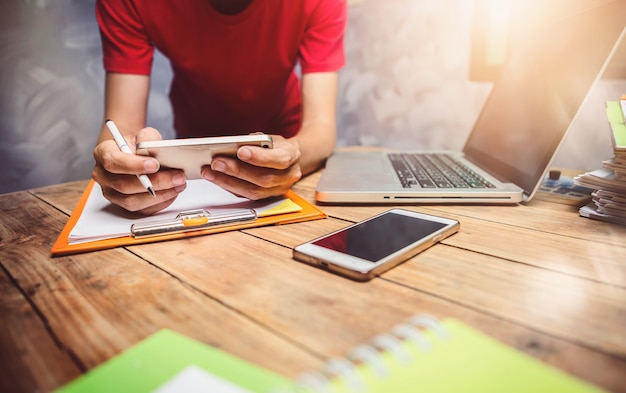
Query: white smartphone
point(368, 248)
point(191, 154)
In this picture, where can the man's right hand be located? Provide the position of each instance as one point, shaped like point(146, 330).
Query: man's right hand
point(116, 172)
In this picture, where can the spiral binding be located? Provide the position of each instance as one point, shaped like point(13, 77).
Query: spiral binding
point(345, 369)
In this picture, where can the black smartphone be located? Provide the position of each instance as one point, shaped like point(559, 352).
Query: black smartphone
point(368, 248)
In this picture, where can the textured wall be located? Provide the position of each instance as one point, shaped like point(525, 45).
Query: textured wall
point(406, 85)
point(51, 92)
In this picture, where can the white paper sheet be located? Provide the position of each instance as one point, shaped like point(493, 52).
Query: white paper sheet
point(102, 220)
point(193, 379)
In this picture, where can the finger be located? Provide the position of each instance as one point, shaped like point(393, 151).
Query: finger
point(129, 184)
point(168, 178)
point(112, 159)
point(262, 177)
point(277, 158)
point(242, 187)
point(143, 202)
point(259, 176)
point(147, 134)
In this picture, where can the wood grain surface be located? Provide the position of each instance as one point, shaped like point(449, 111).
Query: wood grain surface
point(535, 276)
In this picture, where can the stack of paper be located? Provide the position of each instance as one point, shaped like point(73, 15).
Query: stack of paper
point(203, 208)
point(609, 183)
point(113, 222)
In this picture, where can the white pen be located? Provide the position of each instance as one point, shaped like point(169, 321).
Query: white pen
point(121, 142)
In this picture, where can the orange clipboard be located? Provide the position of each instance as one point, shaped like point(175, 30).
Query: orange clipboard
point(62, 246)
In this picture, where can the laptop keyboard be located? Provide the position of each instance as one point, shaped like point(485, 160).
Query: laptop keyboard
point(436, 170)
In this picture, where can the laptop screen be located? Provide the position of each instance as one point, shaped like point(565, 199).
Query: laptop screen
point(542, 85)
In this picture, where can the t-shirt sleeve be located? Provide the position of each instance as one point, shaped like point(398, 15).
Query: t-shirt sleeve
point(126, 47)
point(322, 49)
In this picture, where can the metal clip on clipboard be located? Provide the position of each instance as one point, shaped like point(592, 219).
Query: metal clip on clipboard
point(192, 220)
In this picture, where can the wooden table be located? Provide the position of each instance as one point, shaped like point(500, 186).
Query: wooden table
point(537, 277)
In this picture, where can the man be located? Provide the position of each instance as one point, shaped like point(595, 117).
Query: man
point(233, 68)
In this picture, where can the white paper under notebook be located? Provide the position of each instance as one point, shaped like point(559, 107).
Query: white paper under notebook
point(101, 220)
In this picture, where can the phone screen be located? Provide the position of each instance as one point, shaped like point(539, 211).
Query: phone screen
point(377, 238)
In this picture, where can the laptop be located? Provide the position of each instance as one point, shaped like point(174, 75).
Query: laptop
point(524, 120)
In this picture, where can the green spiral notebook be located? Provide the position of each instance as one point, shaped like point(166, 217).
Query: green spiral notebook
point(423, 355)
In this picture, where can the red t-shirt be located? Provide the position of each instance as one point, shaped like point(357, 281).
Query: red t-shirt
point(233, 74)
